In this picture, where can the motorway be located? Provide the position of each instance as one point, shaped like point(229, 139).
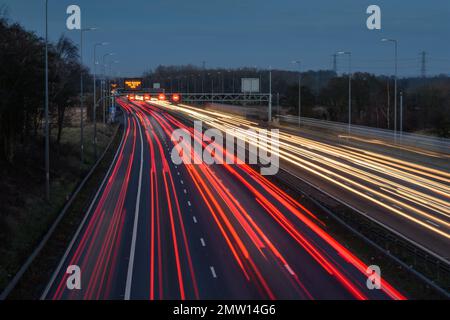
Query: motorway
point(156, 230)
point(408, 197)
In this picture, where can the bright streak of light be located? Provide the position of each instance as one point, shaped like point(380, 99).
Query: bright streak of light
point(415, 192)
point(201, 173)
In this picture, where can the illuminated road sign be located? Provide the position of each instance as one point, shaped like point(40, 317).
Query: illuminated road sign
point(133, 84)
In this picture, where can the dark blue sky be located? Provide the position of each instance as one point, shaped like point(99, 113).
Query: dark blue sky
point(262, 33)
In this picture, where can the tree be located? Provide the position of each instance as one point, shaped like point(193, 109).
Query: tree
point(22, 85)
point(65, 84)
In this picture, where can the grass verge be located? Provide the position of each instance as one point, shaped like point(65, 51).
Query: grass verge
point(29, 217)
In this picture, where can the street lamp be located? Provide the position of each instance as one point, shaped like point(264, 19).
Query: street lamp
point(395, 79)
point(82, 31)
point(47, 137)
point(299, 63)
point(106, 55)
point(401, 114)
point(349, 87)
point(95, 93)
point(111, 75)
point(270, 94)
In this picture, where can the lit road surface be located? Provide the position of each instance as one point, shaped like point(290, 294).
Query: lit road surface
point(160, 231)
point(409, 198)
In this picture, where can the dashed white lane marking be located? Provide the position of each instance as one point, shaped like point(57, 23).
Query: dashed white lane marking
point(182, 182)
point(185, 191)
point(289, 269)
point(189, 204)
point(434, 224)
point(396, 206)
point(195, 219)
point(203, 242)
point(178, 173)
point(213, 272)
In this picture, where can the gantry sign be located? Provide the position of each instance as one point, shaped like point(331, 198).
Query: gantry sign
point(132, 84)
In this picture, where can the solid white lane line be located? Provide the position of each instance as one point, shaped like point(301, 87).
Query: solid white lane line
point(136, 220)
point(213, 272)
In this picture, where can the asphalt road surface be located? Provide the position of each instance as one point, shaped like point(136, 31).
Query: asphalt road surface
point(410, 197)
point(157, 230)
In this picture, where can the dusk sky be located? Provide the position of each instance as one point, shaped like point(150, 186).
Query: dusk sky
point(236, 33)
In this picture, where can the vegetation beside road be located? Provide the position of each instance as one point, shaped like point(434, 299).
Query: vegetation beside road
point(33, 282)
point(25, 215)
point(325, 94)
point(22, 70)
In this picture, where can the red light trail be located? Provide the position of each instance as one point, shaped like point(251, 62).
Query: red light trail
point(262, 243)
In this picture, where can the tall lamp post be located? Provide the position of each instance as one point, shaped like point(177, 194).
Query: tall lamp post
point(47, 133)
point(401, 114)
point(104, 80)
point(111, 76)
point(299, 63)
point(82, 31)
point(95, 94)
point(349, 87)
point(395, 42)
point(270, 94)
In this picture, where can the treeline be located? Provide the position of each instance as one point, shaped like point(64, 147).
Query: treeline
point(194, 79)
point(22, 78)
point(426, 101)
